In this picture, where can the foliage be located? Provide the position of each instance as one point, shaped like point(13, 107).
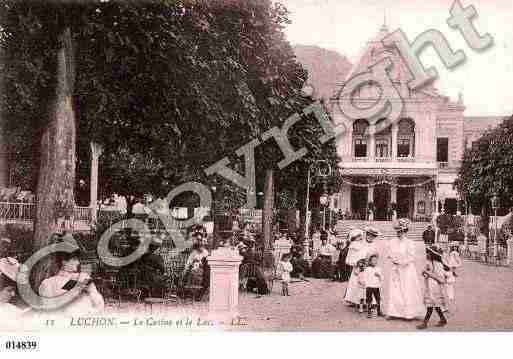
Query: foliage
point(486, 168)
point(167, 87)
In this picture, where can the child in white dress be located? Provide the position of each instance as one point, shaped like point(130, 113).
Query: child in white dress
point(435, 278)
point(373, 279)
point(453, 261)
point(360, 270)
point(286, 268)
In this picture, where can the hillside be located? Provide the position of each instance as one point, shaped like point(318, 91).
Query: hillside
point(325, 68)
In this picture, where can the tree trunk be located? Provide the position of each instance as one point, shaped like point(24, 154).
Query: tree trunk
point(130, 203)
point(267, 215)
point(55, 189)
point(4, 167)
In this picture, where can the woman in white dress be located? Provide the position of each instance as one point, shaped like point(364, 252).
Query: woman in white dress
point(12, 316)
point(403, 290)
point(89, 301)
point(356, 252)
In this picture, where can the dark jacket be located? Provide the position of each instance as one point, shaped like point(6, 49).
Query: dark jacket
point(428, 236)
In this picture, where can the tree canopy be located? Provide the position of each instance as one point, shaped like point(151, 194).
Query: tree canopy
point(166, 87)
point(486, 168)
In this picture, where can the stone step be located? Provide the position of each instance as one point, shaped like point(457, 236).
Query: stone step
point(386, 228)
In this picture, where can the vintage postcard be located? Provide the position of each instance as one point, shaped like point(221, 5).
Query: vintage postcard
point(255, 166)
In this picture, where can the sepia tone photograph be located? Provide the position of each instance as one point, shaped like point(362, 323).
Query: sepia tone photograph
point(255, 166)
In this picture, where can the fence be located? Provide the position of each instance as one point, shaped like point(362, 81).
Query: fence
point(18, 212)
point(26, 212)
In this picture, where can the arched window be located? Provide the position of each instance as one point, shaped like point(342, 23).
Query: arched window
point(383, 140)
point(421, 207)
point(360, 138)
point(406, 138)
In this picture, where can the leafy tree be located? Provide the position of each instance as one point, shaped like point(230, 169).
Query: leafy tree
point(177, 83)
point(486, 170)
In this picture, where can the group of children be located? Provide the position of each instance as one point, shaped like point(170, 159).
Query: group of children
point(439, 278)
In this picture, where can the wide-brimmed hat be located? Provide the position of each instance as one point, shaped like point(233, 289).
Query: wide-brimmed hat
point(9, 267)
point(402, 224)
point(372, 254)
point(355, 233)
point(436, 250)
point(156, 241)
point(372, 231)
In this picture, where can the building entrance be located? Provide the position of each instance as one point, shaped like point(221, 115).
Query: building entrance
point(405, 200)
point(359, 202)
point(381, 202)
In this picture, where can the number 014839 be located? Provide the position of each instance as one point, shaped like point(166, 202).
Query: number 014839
point(20, 345)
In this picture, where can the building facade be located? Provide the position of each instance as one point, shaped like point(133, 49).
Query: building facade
point(410, 164)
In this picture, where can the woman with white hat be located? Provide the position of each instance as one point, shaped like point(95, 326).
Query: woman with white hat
point(355, 253)
point(404, 293)
point(10, 314)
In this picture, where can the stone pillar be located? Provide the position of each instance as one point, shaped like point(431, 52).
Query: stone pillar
point(509, 258)
point(372, 142)
point(224, 283)
point(370, 198)
point(96, 152)
point(395, 129)
point(393, 194)
point(370, 194)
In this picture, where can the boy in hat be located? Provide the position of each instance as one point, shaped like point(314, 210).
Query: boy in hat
point(373, 277)
point(371, 234)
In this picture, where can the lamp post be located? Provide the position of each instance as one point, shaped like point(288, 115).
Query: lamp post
point(213, 210)
point(495, 206)
point(324, 198)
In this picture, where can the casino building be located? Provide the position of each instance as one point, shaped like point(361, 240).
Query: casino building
point(411, 164)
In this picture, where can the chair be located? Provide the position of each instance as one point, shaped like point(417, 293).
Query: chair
point(108, 285)
point(247, 272)
point(169, 295)
point(185, 289)
point(127, 286)
point(270, 276)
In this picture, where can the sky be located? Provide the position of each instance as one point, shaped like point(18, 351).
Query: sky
point(485, 79)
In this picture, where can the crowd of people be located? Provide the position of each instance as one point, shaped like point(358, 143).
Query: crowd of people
point(382, 278)
point(405, 294)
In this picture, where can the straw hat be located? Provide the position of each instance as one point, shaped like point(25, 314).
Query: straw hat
point(402, 224)
point(9, 267)
point(436, 250)
point(355, 233)
point(372, 231)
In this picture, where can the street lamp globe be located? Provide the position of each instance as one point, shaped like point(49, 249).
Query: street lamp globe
point(495, 201)
point(324, 199)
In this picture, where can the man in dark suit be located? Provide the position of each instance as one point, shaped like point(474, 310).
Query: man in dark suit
point(428, 236)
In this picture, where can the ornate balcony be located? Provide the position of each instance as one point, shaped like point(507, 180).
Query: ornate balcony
point(383, 159)
point(406, 159)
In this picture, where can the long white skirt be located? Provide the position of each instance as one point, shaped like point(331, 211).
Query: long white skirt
point(404, 293)
point(354, 292)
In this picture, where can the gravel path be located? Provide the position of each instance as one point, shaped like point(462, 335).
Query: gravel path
point(484, 301)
